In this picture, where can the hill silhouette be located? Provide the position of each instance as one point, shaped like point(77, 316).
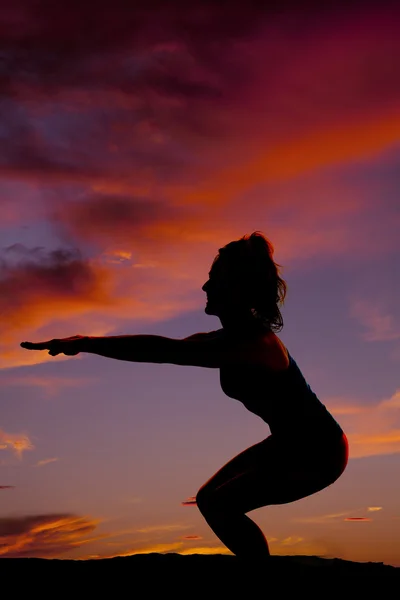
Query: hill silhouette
point(215, 576)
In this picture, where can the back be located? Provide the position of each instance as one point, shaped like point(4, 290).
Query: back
point(283, 399)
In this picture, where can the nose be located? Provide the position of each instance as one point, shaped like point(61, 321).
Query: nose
point(204, 288)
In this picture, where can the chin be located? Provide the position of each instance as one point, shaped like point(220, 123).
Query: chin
point(208, 310)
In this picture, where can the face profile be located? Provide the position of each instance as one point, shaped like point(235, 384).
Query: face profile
point(224, 293)
point(216, 290)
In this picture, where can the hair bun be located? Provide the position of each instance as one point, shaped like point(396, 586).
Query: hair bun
point(259, 243)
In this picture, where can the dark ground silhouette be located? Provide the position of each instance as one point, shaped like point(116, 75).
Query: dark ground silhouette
point(217, 576)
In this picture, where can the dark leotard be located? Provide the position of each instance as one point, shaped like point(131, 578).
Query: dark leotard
point(301, 426)
point(283, 399)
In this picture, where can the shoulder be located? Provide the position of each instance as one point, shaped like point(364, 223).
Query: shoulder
point(204, 335)
point(265, 348)
point(218, 349)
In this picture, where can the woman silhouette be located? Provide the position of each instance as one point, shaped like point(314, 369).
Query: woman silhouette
point(306, 450)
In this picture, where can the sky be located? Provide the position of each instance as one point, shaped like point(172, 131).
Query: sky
point(136, 140)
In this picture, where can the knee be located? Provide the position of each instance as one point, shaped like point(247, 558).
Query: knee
point(203, 499)
point(210, 502)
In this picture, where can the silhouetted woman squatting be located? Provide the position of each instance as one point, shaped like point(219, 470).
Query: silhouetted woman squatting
point(307, 449)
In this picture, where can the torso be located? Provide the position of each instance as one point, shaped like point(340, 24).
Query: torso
point(262, 388)
point(240, 382)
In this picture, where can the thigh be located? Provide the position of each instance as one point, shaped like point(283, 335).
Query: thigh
point(270, 472)
point(252, 458)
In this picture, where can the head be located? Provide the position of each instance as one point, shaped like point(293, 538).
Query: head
point(244, 280)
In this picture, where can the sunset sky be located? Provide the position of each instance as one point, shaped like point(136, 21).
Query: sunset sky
point(136, 139)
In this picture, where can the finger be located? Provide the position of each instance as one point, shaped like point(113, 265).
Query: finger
point(35, 346)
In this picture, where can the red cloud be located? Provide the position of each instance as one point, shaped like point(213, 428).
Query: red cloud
point(357, 519)
point(7, 487)
point(157, 119)
point(191, 501)
point(35, 281)
point(98, 217)
point(148, 91)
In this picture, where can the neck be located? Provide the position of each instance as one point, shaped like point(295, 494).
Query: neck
point(237, 322)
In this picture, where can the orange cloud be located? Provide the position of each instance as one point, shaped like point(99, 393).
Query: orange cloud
point(323, 519)
point(292, 540)
point(158, 548)
point(45, 461)
point(371, 430)
point(189, 132)
point(163, 548)
point(161, 528)
point(43, 536)
point(18, 443)
point(206, 550)
point(59, 278)
point(312, 151)
point(358, 519)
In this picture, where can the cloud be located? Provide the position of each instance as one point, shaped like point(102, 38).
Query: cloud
point(161, 528)
point(45, 461)
point(164, 548)
point(371, 430)
point(141, 140)
point(39, 287)
point(44, 536)
point(16, 442)
point(379, 323)
point(191, 501)
point(97, 216)
point(7, 487)
point(158, 548)
point(51, 385)
point(163, 88)
point(40, 283)
point(192, 537)
point(292, 540)
point(206, 550)
point(329, 518)
point(347, 515)
point(133, 500)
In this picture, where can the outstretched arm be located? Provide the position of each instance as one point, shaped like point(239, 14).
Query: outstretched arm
point(210, 350)
point(134, 348)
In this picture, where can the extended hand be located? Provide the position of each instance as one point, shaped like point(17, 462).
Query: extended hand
point(69, 346)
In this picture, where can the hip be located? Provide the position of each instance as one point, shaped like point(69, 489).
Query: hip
point(329, 453)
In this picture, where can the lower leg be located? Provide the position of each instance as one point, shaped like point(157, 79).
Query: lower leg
point(240, 535)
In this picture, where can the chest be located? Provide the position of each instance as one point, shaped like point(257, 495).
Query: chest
point(243, 383)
